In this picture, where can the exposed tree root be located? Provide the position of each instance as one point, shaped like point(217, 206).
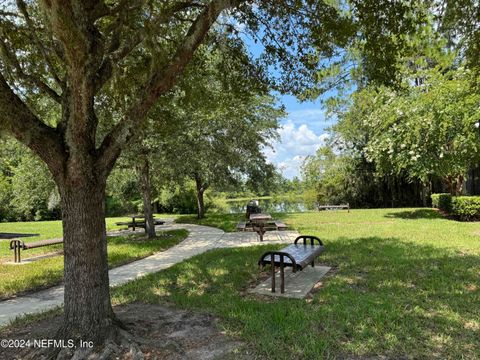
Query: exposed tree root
point(154, 332)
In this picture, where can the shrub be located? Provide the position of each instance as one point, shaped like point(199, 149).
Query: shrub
point(182, 200)
point(466, 208)
point(442, 201)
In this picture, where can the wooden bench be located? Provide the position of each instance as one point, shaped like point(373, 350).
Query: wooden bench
point(17, 245)
point(241, 226)
point(297, 256)
point(334, 207)
point(280, 225)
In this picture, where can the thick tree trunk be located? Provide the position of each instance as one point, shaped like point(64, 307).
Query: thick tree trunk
point(200, 201)
point(70, 150)
point(144, 171)
point(426, 192)
point(87, 308)
point(459, 185)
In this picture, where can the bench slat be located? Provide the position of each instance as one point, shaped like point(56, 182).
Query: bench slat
point(303, 255)
point(280, 225)
point(41, 243)
point(242, 225)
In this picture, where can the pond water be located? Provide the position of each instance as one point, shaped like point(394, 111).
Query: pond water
point(271, 205)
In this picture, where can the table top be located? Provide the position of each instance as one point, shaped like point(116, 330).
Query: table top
point(137, 216)
point(260, 217)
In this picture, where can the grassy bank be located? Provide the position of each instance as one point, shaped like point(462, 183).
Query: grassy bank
point(404, 285)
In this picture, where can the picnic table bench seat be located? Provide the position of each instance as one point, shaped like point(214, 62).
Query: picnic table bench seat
point(280, 225)
point(17, 245)
point(242, 226)
point(297, 256)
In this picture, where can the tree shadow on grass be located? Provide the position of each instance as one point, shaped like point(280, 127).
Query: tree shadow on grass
point(387, 297)
point(226, 222)
point(416, 214)
point(15, 235)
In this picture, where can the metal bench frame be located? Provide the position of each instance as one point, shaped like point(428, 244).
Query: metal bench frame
point(17, 245)
point(282, 255)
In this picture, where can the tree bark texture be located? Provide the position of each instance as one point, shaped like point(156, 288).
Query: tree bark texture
point(200, 201)
point(144, 172)
point(87, 308)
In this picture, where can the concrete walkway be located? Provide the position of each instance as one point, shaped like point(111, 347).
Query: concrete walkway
point(199, 240)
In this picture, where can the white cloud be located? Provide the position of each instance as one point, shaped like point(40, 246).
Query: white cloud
point(295, 143)
point(291, 167)
point(299, 140)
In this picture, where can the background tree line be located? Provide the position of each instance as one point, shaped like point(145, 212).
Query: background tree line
point(395, 146)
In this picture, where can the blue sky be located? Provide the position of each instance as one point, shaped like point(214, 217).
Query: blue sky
point(301, 133)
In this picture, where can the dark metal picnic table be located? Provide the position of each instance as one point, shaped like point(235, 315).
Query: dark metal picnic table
point(138, 216)
point(258, 223)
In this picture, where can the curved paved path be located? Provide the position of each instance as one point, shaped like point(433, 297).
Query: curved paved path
point(199, 240)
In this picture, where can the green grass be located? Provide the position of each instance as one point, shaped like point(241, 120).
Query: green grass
point(226, 222)
point(49, 271)
point(46, 230)
point(405, 285)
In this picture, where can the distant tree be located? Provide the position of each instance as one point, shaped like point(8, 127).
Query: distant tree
point(28, 191)
point(219, 140)
point(427, 131)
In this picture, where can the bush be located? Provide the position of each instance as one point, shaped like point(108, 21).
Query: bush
point(442, 201)
point(181, 200)
point(466, 208)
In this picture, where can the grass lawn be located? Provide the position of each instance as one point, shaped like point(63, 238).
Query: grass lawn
point(49, 271)
point(405, 285)
point(226, 222)
point(46, 230)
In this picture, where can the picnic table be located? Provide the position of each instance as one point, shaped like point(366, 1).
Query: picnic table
point(135, 223)
point(258, 223)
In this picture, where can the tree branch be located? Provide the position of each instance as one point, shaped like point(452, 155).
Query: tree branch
point(23, 9)
point(8, 13)
point(159, 83)
point(20, 122)
point(118, 51)
point(13, 63)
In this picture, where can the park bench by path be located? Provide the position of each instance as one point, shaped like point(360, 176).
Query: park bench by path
point(200, 239)
point(17, 245)
point(297, 256)
point(335, 207)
